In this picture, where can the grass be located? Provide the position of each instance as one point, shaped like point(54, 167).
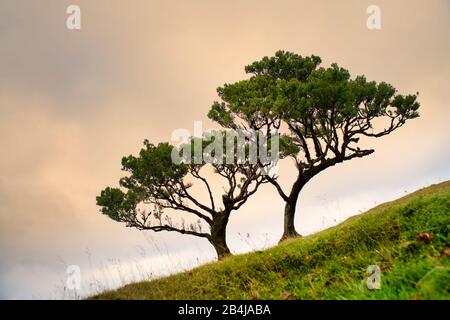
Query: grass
point(407, 238)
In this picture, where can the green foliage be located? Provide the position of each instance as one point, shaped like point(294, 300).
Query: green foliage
point(291, 87)
point(332, 264)
point(149, 176)
point(284, 65)
point(153, 167)
point(116, 204)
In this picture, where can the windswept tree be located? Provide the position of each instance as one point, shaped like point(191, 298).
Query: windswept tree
point(156, 194)
point(324, 111)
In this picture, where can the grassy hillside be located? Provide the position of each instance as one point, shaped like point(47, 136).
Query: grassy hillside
point(407, 238)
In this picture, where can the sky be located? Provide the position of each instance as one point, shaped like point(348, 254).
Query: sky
point(73, 102)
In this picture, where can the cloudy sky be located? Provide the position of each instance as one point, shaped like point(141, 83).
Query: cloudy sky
point(73, 102)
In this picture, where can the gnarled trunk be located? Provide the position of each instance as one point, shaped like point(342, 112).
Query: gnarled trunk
point(218, 235)
point(289, 217)
point(290, 208)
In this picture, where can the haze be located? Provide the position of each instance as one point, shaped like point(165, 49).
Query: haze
point(72, 103)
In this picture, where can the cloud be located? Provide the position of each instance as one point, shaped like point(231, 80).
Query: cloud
point(73, 103)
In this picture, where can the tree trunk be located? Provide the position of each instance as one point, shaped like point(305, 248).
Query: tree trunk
point(289, 217)
point(219, 236)
point(289, 209)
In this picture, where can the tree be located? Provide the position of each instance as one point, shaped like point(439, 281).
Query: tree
point(323, 111)
point(156, 180)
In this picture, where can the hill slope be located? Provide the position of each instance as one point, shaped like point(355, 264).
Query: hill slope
point(407, 238)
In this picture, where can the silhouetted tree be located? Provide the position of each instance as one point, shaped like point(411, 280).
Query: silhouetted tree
point(323, 110)
point(156, 184)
